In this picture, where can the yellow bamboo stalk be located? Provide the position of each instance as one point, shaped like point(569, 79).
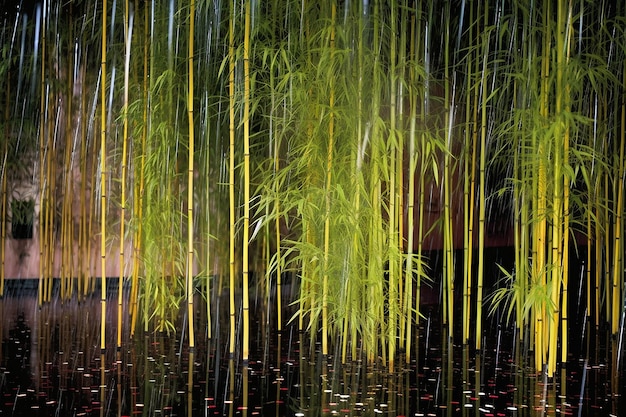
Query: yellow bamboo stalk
point(448, 223)
point(540, 235)
point(139, 194)
point(413, 98)
point(329, 164)
point(103, 197)
point(231, 174)
point(616, 284)
point(122, 259)
point(82, 227)
point(607, 245)
point(392, 232)
point(279, 319)
point(189, 269)
point(50, 211)
point(469, 201)
point(557, 203)
point(246, 182)
point(481, 191)
point(42, 172)
point(566, 193)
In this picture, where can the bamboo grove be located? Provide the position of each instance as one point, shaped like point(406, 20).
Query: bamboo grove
point(222, 147)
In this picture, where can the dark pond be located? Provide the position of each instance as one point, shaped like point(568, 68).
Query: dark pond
point(51, 365)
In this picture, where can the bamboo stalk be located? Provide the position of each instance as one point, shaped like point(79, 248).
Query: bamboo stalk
point(3, 201)
point(617, 273)
point(329, 166)
point(128, 25)
point(190, 181)
point(481, 188)
point(42, 176)
point(139, 194)
point(103, 196)
point(448, 222)
point(231, 174)
point(392, 232)
point(246, 183)
point(413, 98)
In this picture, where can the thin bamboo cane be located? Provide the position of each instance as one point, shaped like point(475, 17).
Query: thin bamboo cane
point(246, 183)
point(470, 173)
point(481, 188)
point(3, 202)
point(393, 200)
point(424, 152)
point(190, 182)
point(557, 214)
point(448, 221)
point(82, 226)
point(42, 175)
point(329, 166)
point(606, 227)
point(103, 196)
point(617, 273)
point(231, 174)
point(128, 26)
point(400, 167)
point(139, 194)
point(413, 95)
point(566, 187)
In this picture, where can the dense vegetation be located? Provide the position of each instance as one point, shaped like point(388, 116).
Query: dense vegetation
point(225, 140)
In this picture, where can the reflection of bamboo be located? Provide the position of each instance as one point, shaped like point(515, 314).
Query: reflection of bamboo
point(190, 361)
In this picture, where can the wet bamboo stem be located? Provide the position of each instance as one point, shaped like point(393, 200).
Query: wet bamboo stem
point(3, 175)
point(470, 179)
point(103, 197)
point(557, 197)
point(190, 183)
point(329, 165)
point(616, 284)
point(42, 172)
point(231, 174)
point(139, 195)
point(277, 234)
point(83, 257)
point(540, 211)
point(400, 244)
point(122, 241)
point(566, 189)
point(409, 306)
point(246, 183)
point(448, 224)
point(392, 236)
point(481, 198)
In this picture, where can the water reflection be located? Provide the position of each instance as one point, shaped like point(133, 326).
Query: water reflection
point(51, 364)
